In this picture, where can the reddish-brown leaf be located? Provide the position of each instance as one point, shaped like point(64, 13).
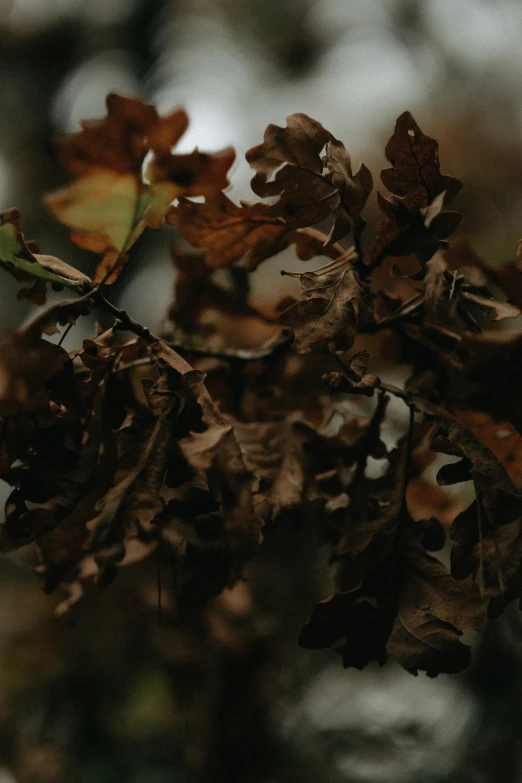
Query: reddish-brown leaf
point(415, 175)
point(311, 188)
point(112, 199)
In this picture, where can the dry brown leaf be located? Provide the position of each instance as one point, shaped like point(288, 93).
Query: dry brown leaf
point(414, 217)
point(112, 199)
point(415, 173)
point(311, 188)
point(329, 311)
point(251, 233)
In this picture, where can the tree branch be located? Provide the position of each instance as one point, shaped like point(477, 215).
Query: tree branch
point(127, 322)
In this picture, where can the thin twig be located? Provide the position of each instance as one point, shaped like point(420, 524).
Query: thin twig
point(407, 461)
point(401, 314)
point(481, 551)
point(331, 266)
point(158, 584)
point(385, 387)
point(240, 356)
point(65, 333)
point(175, 586)
point(127, 322)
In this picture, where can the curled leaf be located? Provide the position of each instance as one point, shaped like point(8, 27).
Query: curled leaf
point(330, 308)
point(28, 362)
point(310, 188)
point(18, 258)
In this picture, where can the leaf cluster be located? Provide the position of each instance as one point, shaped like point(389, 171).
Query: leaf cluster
point(194, 440)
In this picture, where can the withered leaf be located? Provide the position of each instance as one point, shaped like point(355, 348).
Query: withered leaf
point(56, 496)
point(404, 231)
point(455, 472)
point(500, 437)
point(57, 466)
point(354, 617)
point(112, 199)
point(409, 607)
point(354, 190)
point(252, 232)
point(394, 598)
point(330, 308)
point(273, 454)
point(289, 165)
point(17, 257)
point(121, 140)
point(433, 609)
point(228, 232)
point(415, 175)
point(216, 449)
point(131, 504)
point(28, 362)
point(85, 480)
point(311, 188)
point(61, 547)
point(415, 220)
point(488, 535)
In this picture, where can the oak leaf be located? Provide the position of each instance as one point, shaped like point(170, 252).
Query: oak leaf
point(273, 454)
point(409, 607)
point(415, 174)
point(354, 190)
point(415, 220)
point(214, 448)
point(332, 305)
point(56, 463)
point(311, 188)
point(116, 194)
point(252, 232)
point(404, 231)
point(28, 362)
point(22, 260)
point(433, 609)
point(487, 536)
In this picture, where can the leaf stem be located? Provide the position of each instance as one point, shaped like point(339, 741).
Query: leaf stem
point(131, 325)
point(409, 450)
point(65, 333)
point(331, 266)
point(480, 540)
point(125, 247)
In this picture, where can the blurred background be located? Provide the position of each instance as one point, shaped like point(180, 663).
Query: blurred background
point(122, 696)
